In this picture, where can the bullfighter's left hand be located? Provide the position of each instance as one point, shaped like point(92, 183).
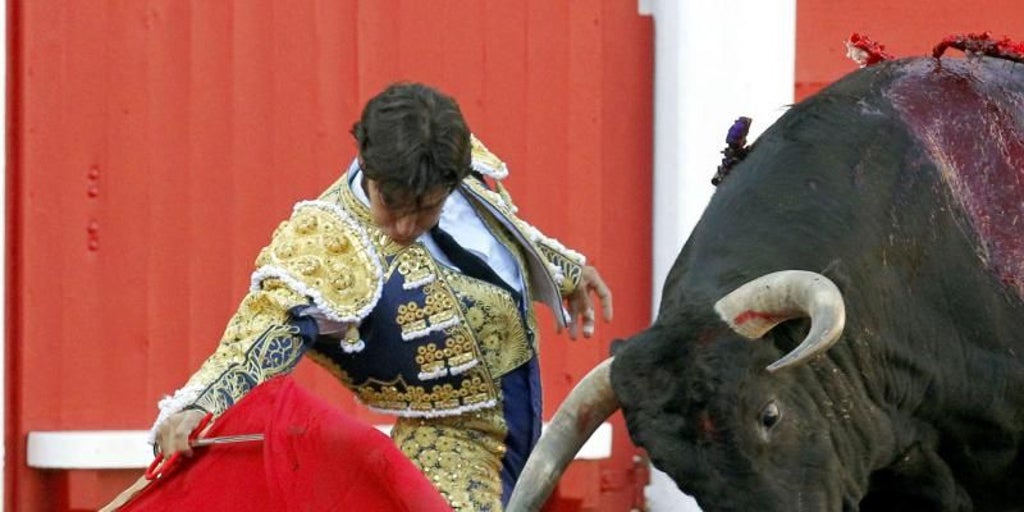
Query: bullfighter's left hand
point(581, 304)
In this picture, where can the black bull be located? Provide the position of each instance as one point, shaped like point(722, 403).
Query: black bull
point(902, 184)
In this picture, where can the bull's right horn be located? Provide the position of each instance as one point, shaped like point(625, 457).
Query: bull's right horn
point(589, 403)
point(756, 307)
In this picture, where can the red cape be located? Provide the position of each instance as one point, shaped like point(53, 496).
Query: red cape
point(313, 457)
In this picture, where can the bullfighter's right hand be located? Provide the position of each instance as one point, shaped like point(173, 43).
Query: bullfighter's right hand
point(172, 436)
point(581, 305)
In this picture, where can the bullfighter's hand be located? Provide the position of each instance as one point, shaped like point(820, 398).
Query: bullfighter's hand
point(581, 305)
point(172, 435)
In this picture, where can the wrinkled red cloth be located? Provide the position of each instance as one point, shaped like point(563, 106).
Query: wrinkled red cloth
point(314, 457)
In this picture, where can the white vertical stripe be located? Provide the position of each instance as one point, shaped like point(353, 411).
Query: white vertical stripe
point(713, 62)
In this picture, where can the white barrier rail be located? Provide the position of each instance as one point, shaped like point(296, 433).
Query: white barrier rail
point(128, 449)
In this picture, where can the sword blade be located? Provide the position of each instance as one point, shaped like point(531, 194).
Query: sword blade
point(242, 438)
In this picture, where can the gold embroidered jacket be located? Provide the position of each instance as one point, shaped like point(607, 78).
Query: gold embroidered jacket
point(424, 340)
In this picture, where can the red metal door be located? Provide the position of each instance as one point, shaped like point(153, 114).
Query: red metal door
point(905, 27)
point(155, 144)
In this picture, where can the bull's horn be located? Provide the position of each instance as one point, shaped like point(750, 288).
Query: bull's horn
point(756, 307)
point(590, 403)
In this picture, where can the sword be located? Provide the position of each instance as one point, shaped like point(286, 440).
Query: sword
point(241, 438)
point(162, 465)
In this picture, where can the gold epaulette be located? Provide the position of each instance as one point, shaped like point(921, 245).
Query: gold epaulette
point(324, 254)
point(485, 162)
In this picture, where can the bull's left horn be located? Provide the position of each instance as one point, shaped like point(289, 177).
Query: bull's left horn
point(756, 307)
point(589, 403)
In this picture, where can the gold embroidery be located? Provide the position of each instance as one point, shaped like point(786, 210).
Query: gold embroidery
point(485, 162)
point(431, 361)
point(455, 357)
point(255, 346)
point(502, 234)
point(494, 318)
point(275, 352)
point(505, 197)
point(326, 256)
point(439, 308)
point(414, 266)
point(341, 194)
point(460, 455)
point(571, 269)
point(533, 339)
point(475, 389)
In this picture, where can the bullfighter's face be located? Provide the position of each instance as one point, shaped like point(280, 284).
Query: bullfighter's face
point(405, 217)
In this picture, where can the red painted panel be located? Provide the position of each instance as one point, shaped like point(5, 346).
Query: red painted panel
point(155, 144)
point(906, 29)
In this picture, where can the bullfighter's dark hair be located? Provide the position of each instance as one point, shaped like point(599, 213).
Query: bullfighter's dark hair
point(412, 141)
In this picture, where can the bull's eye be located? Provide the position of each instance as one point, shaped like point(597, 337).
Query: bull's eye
point(770, 415)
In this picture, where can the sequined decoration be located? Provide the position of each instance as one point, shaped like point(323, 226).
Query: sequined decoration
point(476, 391)
point(256, 345)
point(324, 254)
point(274, 352)
point(460, 455)
point(485, 162)
point(572, 271)
point(438, 310)
point(494, 319)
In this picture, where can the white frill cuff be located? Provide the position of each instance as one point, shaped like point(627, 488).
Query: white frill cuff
point(169, 405)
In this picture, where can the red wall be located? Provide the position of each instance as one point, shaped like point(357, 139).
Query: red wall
point(154, 145)
point(907, 28)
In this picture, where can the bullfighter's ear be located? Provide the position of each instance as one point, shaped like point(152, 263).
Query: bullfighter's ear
point(615, 346)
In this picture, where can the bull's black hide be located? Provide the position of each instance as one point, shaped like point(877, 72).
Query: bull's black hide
point(904, 184)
